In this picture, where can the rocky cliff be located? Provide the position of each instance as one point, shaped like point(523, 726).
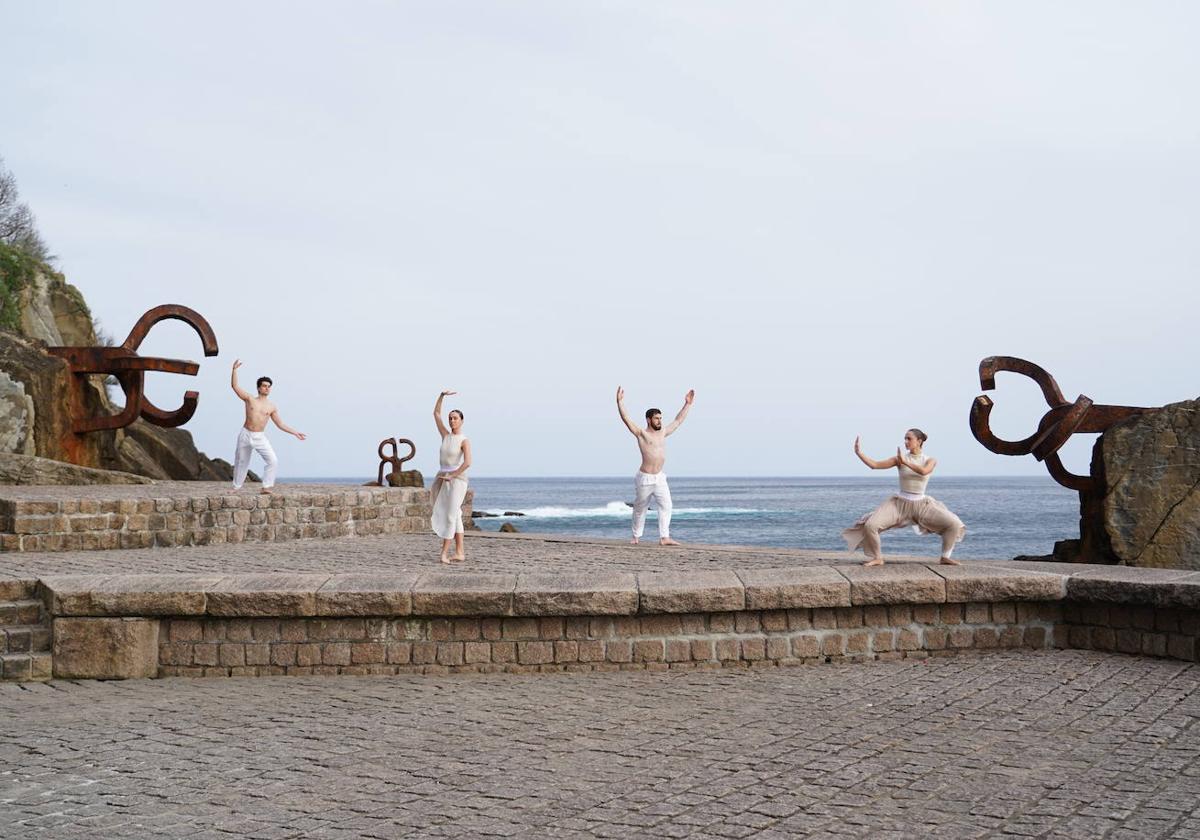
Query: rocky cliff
point(1147, 512)
point(38, 308)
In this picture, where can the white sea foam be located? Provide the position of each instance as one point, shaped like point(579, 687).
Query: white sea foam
point(612, 510)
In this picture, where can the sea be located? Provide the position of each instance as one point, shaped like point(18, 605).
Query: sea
point(1005, 517)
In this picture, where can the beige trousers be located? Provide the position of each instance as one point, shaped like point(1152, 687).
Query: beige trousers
point(929, 515)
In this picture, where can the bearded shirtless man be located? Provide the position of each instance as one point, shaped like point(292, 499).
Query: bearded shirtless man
point(650, 480)
point(253, 437)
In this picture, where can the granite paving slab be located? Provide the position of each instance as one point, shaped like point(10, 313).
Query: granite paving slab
point(794, 587)
point(1131, 585)
point(576, 593)
point(689, 592)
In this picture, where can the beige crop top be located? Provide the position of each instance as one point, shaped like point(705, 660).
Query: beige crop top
point(913, 483)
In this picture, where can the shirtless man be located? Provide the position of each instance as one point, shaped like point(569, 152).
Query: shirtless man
point(650, 480)
point(253, 437)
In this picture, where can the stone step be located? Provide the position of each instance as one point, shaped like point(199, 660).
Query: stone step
point(25, 667)
point(25, 611)
point(25, 638)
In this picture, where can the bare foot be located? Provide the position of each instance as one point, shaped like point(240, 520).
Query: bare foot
point(633, 541)
point(949, 561)
point(445, 559)
point(667, 541)
point(874, 561)
point(267, 491)
point(458, 558)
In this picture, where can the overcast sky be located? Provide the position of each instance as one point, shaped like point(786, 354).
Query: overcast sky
point(821, 216)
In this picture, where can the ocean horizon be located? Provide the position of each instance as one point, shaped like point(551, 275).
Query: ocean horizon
point(1005, 516)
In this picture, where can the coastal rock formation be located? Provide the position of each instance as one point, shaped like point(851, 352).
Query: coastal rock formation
point(405, 478)
point(1150, 511)
point(38, 308)
point(508, 528)
point(28, 469)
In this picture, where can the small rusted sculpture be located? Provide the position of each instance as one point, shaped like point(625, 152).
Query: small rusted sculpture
point(398, 477)
point(1057, 425)
point(130, 369)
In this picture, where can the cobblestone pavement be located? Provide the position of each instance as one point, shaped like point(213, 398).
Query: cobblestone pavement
point(419, 552)
point(1057, 744)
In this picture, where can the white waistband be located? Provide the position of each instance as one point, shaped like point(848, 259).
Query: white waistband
point(910, 497)
point(649, 478)
point(247, 431)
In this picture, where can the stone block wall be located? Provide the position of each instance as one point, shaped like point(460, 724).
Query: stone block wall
point(749, 638)
point(1135, 629)
point(90, 523)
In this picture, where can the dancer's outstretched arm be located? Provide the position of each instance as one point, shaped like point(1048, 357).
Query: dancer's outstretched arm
point(625, 418)
point(683, 412)
point(437, 412)
point(920, 469)
point(871, 462)
point(242, 395)
point(285, 427)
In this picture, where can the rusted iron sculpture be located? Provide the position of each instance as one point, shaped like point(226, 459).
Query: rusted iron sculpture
point(398, 477)
point(130, 369)
point(1057, 425)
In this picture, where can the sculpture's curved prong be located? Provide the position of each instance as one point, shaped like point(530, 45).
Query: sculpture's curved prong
point(1059, 473)
point(170, 419)
point(132, 384)
point(981, 412)
point(992, 365)
point(180, 313)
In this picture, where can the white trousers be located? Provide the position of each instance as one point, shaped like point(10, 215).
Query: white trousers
point(645, 487)
point(247, 443)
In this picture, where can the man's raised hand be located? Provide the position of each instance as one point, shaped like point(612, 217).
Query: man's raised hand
point(620, 393)
point(237, 363)
point(691, 395)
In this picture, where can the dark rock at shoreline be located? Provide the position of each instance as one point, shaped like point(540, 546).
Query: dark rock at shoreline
point(508, 528)
point(513, 513)
point(483, 514)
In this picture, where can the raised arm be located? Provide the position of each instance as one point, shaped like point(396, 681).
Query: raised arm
point(625, 418)
point(919, 469)
point(437, 412)
point(683, 412)
point(871, 462)
point(285, 427)
point(242, 395)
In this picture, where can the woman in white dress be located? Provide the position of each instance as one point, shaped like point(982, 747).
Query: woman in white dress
point(450, 486)
point(908, 507)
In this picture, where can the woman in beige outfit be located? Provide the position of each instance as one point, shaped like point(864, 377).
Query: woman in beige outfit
point(908, 507)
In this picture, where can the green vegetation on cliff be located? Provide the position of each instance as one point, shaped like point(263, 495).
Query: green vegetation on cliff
point(17, 270)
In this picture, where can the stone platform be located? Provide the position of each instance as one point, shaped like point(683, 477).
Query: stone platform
point(165, 514)
point(383, 605)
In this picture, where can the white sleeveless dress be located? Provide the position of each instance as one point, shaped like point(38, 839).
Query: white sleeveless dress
point(448, 496)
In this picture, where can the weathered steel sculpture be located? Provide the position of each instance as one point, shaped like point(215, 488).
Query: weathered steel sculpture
point(130, 369)
point(1057, 425)
point(398, 477)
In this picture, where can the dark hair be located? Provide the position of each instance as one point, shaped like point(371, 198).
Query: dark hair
point(459, 413)
point(263, 379)
point(650, 412)
point(924, 437)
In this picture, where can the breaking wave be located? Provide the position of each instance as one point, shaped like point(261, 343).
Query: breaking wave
point(614, 510)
